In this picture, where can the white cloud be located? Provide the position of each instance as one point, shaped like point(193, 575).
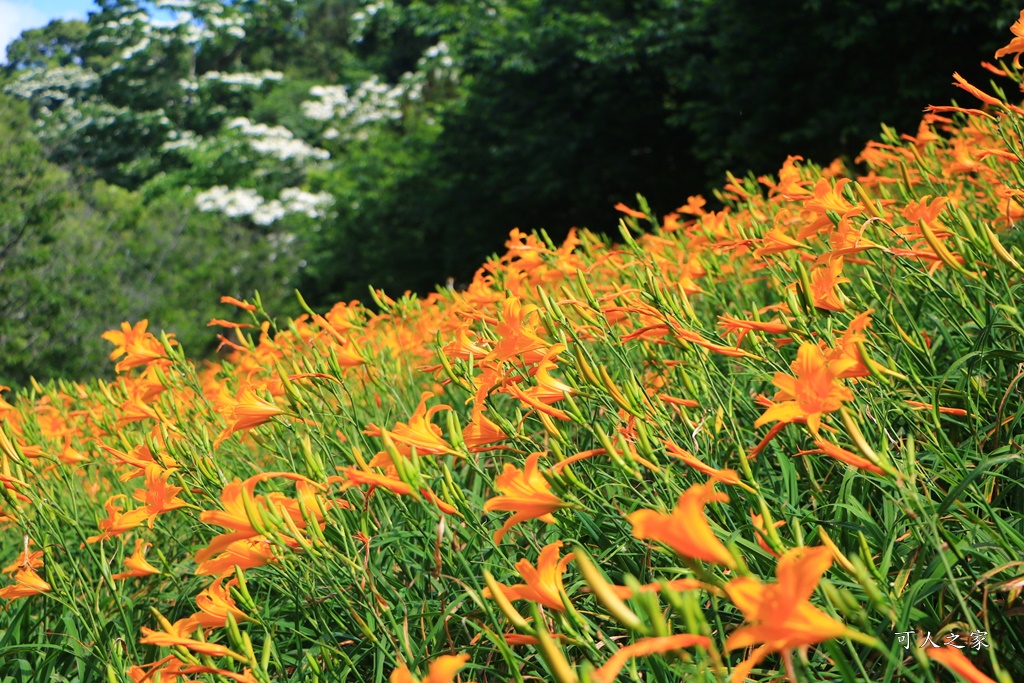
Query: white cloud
point(16, 17)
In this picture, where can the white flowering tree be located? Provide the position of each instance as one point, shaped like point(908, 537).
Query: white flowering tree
point(163, 92)
point(283, 117)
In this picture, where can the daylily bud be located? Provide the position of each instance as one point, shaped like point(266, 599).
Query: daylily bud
point(552, 652)
point(1001, 252)
point(584, 366)
point(605, 594)
point(506, 607)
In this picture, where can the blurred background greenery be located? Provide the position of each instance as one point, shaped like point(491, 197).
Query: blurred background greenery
point(159, 155)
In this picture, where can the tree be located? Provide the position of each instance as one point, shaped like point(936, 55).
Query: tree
point(765, 80)
point(57, 44)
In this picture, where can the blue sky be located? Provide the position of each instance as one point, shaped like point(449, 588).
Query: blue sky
point(18, 15)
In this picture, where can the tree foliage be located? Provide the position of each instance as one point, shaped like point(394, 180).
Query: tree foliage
point(77, 259)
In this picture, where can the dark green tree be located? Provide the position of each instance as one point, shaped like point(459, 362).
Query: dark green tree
point(764, 80)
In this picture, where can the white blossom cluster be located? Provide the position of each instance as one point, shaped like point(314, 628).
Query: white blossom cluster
point(374, 101)
point(192, 22)
point(371, 101)
point(55, 84)
point(437, 52)
point(309, 203)
point(174, 4)
point(133, 50)
point(361, 18)
point(130, 18)
point(276, 141)
point(180, 139)
point(233, 203)
point(240, 79)
point(232, 25)
point(72, 118)
point(238, 202)
point(437, 63)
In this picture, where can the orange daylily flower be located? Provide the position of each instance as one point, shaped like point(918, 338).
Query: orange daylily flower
point(170, 668)
point(742, 327)
point(233, 515)
point(136, 345)
point(824, 281)
point(481, 431)
point(238, 549)
point(642, 648)
point(925, 132)
point(118, 522)
point(699, 340)
point(247, 411)
point(354, 477)
point(158, 496)
point(759, 531)
point(685, 529)
point(953, 659)
point(918, 405)
point(140, 458)
point(219, 322)
point(724, 476)
point(549, 389)
point(419, 432)
point(177, 634)
point(847, 347)
point(962, 83)
point(791, 185)
point(676, 401)
point(346, 352)
point(530, 398)
point(826, 198)
point(694, 205)
point(847, 239)
point(543, 582)
point(136, 563)
point(843, 455)
point(463, 346)
point(813, 392)
point(525, 492)
point(926, 209)
point(70, 455)
point(516, 335)
point(235, 302)
point(514, 639)
point(26, 560)
point(136, 409)
point(1016, 45)
point(215, 602)
point(776, 241)
point(442, 670)
point(628, 211)
point(780, 615)
point(27, 583)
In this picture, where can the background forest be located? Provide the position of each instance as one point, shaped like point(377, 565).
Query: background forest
point(159, 155)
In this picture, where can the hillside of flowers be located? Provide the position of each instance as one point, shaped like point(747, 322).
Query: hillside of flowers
point(780, 441)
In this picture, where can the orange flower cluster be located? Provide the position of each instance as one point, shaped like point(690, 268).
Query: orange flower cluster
point(546, 343)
